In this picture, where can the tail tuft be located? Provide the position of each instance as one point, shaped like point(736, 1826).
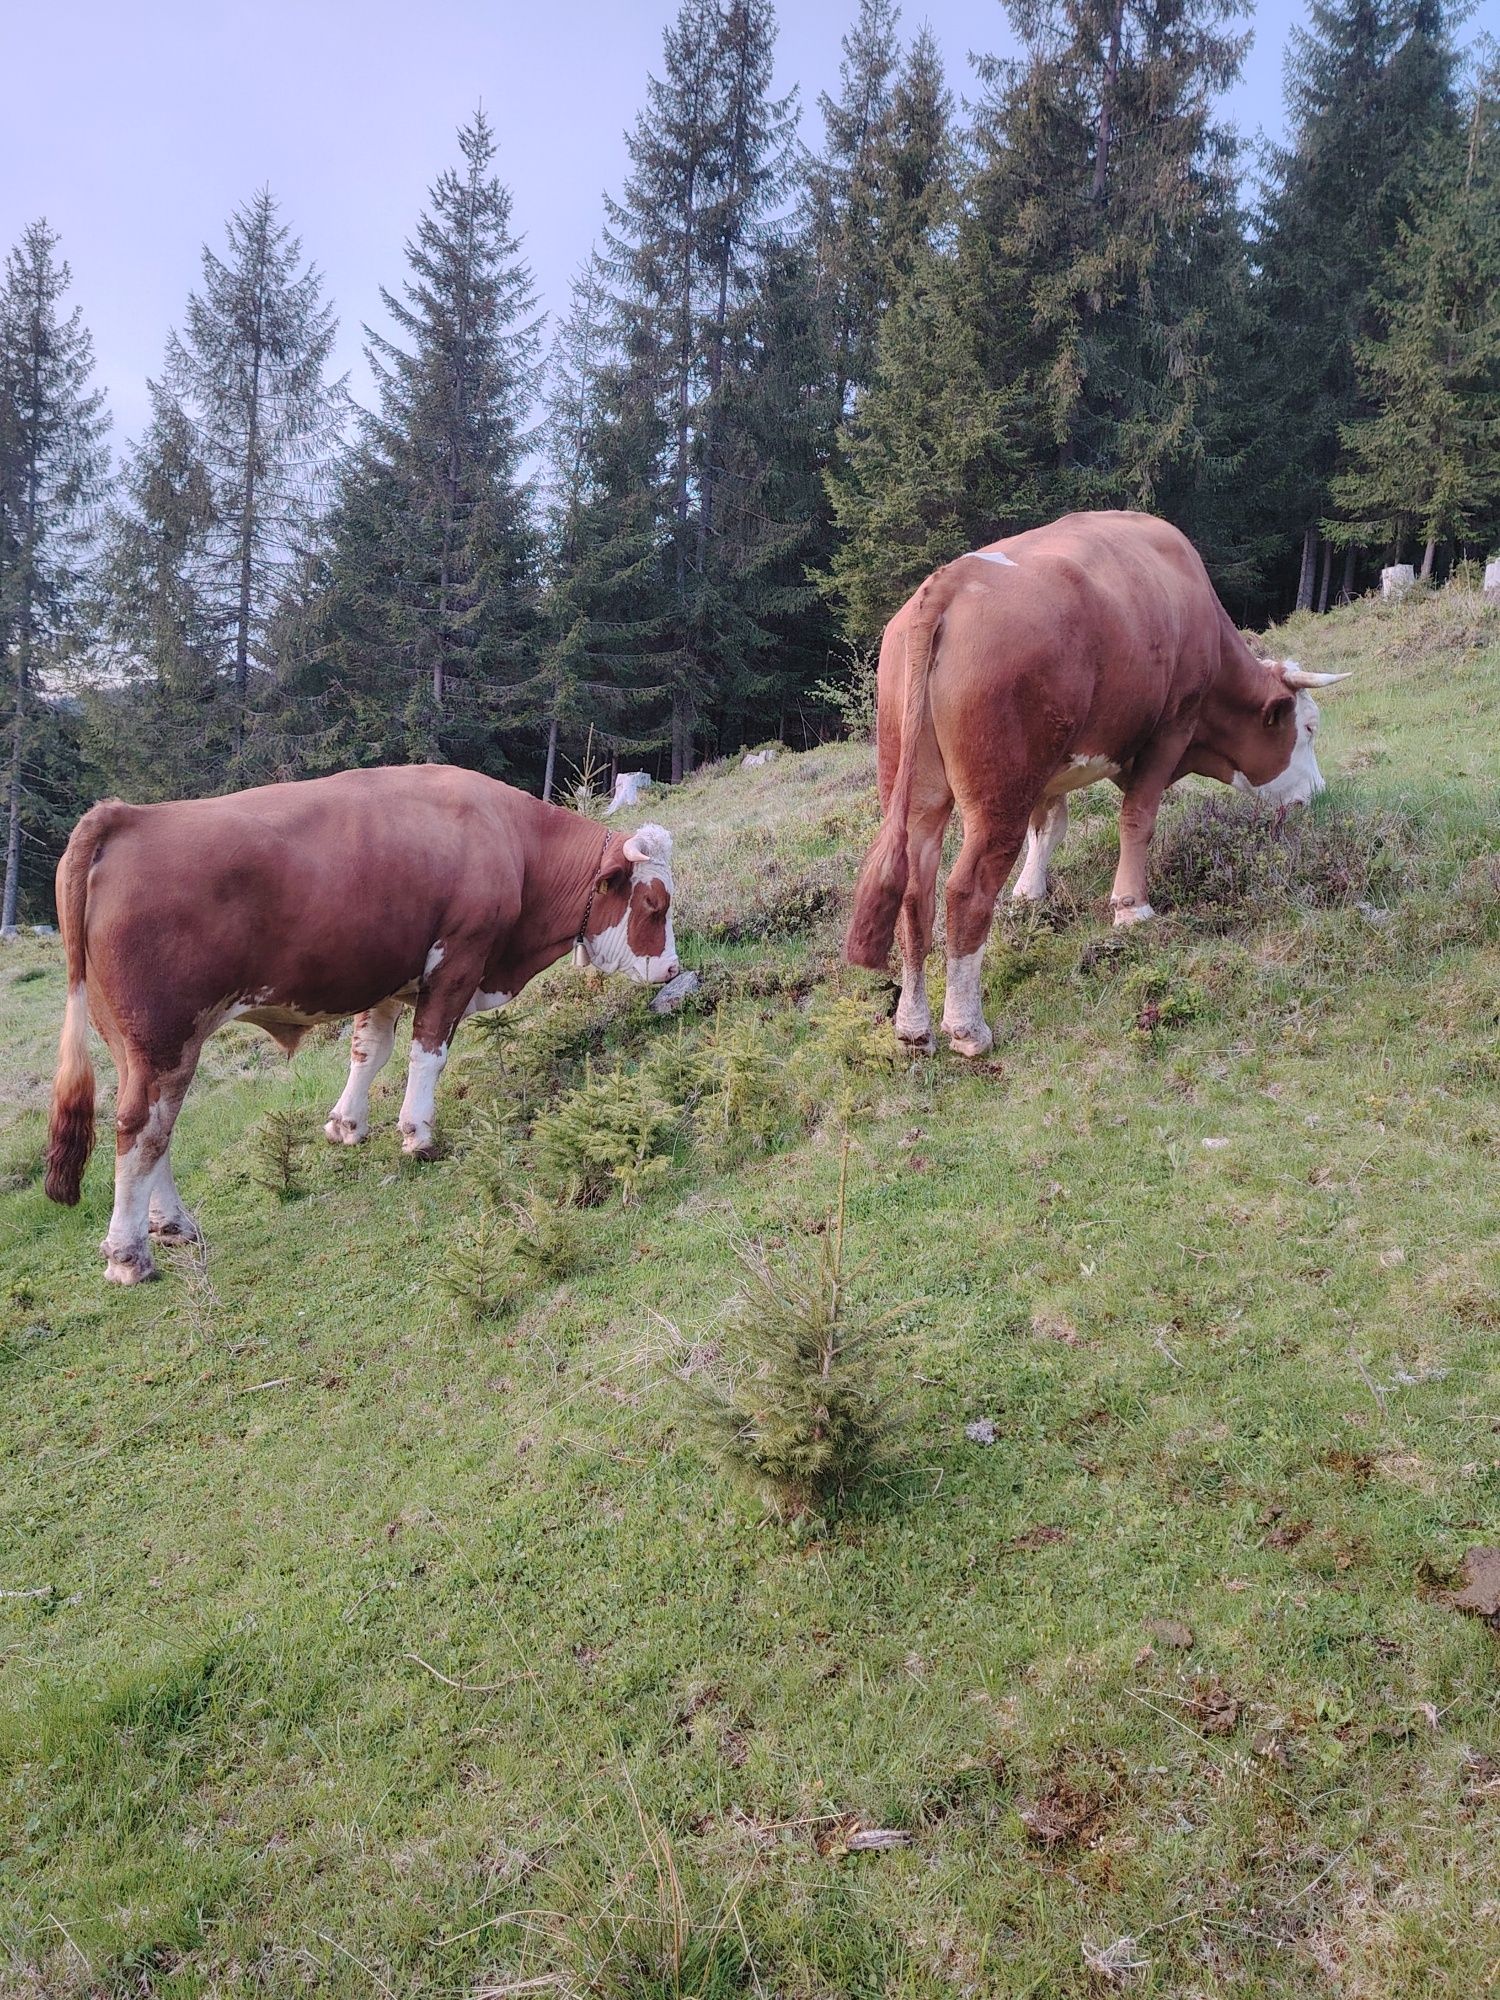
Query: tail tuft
point(71, 1132)
point(877, 899)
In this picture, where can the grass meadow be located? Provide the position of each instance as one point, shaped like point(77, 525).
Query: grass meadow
point(373, 1623)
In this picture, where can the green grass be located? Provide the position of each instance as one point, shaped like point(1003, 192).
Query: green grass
point(1223, 1276)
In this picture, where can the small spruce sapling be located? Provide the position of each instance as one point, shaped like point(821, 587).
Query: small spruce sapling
point(279, 1144)
point(795, 1415)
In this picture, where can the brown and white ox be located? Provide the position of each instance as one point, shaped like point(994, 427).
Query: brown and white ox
point(1092, 648)
point(296, 904)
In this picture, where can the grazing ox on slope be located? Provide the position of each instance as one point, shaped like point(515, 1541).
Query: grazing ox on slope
point(1092, 648)
point(296, 904)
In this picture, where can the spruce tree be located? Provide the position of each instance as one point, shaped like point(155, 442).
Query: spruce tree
point(846, 194)
point(158, 719)
point(710, 162)
point(1369, 92)
point(934, 458)
point(244, 389)
point(53, 472)
point(1426, 461)
point(1101, 239)
point(424, 630)
point(606, 608)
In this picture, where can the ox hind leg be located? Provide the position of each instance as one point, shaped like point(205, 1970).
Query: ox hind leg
point(926, 826)
point(370, 1046)
point(145, 1114)
point(992, 841)
point(1048, 825)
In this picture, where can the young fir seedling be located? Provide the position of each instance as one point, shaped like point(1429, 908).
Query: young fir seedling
point(796, 1414)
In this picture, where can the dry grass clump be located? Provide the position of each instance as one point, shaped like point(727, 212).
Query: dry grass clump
point(1224, 858)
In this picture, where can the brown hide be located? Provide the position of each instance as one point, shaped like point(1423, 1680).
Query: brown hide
point(1101, 637)
point(292, 904)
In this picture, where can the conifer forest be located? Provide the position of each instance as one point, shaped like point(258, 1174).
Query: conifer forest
point(814, 350)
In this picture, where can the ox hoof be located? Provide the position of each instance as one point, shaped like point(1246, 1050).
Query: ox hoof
point(918, 1045)
point(420, 1149)
point(970, 1041)
point(344, 1131)
point(128, 1267)
point(1132, 913)
point(1021, 894)
point(176, 1229)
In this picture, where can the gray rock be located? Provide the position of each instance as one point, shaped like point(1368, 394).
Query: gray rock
point(672, 995)
point(1492, 580)
point(1397, 580)
point(981, 1432)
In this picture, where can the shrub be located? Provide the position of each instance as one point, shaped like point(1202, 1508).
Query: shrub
point(278, 1147)
point(794, 1414)
point(476, 1275)
point(614, 1133)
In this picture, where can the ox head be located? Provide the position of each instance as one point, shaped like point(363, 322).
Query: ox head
point(629, 924)
point(1279, 762)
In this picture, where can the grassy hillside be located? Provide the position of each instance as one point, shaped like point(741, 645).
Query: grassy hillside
point(354, 1640)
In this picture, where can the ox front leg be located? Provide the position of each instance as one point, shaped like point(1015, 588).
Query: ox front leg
point(370, 1045)
point(1138, 813)
point(989, 852)
point(170, 1220)
point(440, 1007)
point(1048, 825)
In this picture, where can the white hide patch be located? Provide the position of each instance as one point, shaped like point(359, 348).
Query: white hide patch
point(486, 1003)
point(913, 1014)
point(994, 556)
point(432, 961)
point(1031, 885)
point(1086, 769)
point(1302, 779)
point(420, 1103)
point(649, 850)
point(963, 1008)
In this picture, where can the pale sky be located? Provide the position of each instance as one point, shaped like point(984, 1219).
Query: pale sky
point(135, 126)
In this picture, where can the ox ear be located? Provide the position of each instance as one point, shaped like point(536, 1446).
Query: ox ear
point(1279, 708)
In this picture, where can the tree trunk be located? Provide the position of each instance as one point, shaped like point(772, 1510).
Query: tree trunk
point(1309, 569)
point(1326, 577)
point(551, 771)
point(1429, 556)
point(10, 898)
point(1346, 588)
point(13, 814)
point(1106, 103)
point(247, 530)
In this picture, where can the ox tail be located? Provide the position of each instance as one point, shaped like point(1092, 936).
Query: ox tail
point(70, 1138)
point(882, 879)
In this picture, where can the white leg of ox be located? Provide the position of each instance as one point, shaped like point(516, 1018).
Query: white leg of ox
point(419, 1105)
point(370, 1046)
point(170, 1221)
point(913, 1014)
point(1048, 825)
point(963, 1007)
point(143, 1175)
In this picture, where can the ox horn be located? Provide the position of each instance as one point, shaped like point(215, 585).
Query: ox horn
point(1299, 677)
point(649, 843)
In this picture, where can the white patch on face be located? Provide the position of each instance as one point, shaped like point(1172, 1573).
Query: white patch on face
point(1302, 779)
point(994, 556)
point(432, 961)
point(963, 1007)
point(419, 1104)
point(609, 950)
